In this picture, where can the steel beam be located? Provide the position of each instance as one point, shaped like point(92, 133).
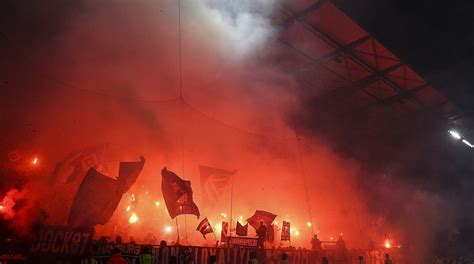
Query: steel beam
point(362, 63)
point(285, 24)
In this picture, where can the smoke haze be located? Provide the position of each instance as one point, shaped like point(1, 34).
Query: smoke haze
point(85, 73)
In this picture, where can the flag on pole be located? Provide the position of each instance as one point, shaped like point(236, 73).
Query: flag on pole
point(225, 232)
point(271, 233)
point(214, 183)
point(241, 230)
point(261, 216)
point(285, 231)
point(74, 166)
point(178, 195)
point(99, 195)
point(205, 227)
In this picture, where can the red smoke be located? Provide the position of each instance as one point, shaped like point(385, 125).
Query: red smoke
point(108, 73)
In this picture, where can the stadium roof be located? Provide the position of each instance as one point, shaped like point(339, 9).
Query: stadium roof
point(329, 52)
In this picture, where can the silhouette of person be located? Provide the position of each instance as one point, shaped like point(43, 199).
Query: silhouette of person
point(262, 235)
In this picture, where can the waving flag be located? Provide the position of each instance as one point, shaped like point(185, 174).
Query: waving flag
point(261, 216)
point(205, 227)
point(241, 230)
point(75, 165)
point(214, 183)
point(98, 195)
point(225, 232)
point(178, 195)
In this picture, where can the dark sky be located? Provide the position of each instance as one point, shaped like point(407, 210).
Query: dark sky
point(405, 171)
point(435, 37)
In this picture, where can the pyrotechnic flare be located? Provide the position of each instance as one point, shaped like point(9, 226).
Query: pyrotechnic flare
point(133, 218)
point(387, 244)
point(9, 201)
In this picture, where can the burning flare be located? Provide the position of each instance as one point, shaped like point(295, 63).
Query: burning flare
point(387, 244)
point(133, 218)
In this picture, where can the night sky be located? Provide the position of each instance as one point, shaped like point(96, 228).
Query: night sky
point(435, 37)
point(57, 61)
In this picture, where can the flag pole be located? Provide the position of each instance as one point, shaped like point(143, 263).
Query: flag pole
point(231, 202)
point(181, 109)
point(214, 233)
point(300, 158)
point(177, 230)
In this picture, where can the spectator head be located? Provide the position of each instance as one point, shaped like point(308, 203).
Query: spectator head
point(361, 258)
point(212, 259)
point(284, 256)
point(116, 250)
point(173, 260)
point(253, 255)
point(325, 260)
point(163, 243)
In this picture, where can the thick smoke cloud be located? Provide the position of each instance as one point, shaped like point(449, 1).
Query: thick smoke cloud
point(87, 72)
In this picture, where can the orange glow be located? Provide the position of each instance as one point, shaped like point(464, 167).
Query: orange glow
point(218, 228)
point(35, 161)
point(157, 203)
point(133, 218)
point(168, 229)
point(2, 207)
point(387, 244)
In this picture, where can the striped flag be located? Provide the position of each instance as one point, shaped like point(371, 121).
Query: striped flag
point(225, 232)
point(205, 227)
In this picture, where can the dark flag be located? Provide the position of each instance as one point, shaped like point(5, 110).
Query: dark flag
point(241, 230)
point(205, 227)
point(75, 165)
point(271, 233)
point(98, 195)
point(225, 232)
point(261, 216)
point(214, 182)
point(178, 195)
point(285, 231)
point(13, 156)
